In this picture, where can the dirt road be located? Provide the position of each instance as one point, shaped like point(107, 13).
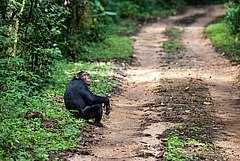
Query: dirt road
point(155, 79)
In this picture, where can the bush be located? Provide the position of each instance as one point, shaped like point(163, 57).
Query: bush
point(220, 36)
point(232, 15)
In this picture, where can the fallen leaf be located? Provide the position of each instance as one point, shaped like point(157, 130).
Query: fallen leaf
point(207, 103)
point(163, 104)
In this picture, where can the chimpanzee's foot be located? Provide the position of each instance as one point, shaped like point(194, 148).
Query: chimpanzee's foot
point(98, 124)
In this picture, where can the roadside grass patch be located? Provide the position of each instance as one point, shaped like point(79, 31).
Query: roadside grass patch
point(57, 131)
point(112, 47)
point(220, 36)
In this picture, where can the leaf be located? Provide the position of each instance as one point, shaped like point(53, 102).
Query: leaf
point(110, 13)
point(207, 103)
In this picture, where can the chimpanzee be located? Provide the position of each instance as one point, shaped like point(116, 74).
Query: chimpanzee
point(80, 99)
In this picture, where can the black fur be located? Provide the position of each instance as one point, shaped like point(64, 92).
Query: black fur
point(78, 97)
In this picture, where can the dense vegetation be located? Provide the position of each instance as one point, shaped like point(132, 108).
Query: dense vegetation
point(39, 37)
point(221, 37)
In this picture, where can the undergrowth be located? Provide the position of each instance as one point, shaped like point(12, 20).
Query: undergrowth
point(24, 138)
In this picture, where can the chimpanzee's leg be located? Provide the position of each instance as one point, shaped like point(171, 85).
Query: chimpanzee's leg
point(94, 111)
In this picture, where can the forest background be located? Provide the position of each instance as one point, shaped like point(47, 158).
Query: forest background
point(44, 42)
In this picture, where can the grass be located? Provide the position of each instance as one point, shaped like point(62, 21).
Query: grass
point(220, 36)
point(112, 47)
point(173, 31)
point(172, 46)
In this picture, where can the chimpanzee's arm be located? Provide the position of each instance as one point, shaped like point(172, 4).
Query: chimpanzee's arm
point(104, 100)
point(98, 100)
point(90, 99)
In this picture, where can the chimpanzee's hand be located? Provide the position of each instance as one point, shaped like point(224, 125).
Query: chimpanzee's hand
point(107, 109)
point(107, 106)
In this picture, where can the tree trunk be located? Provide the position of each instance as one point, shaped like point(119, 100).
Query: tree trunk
point(82, 16)
point(13, 28)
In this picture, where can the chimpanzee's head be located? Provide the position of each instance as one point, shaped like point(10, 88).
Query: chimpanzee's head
point(85, 76)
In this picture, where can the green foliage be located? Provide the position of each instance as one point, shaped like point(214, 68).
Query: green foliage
point(232, 15)
point(49, 29)
point(86, 24)
point(143, 8)
point(220, 36)
point(39, 26)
